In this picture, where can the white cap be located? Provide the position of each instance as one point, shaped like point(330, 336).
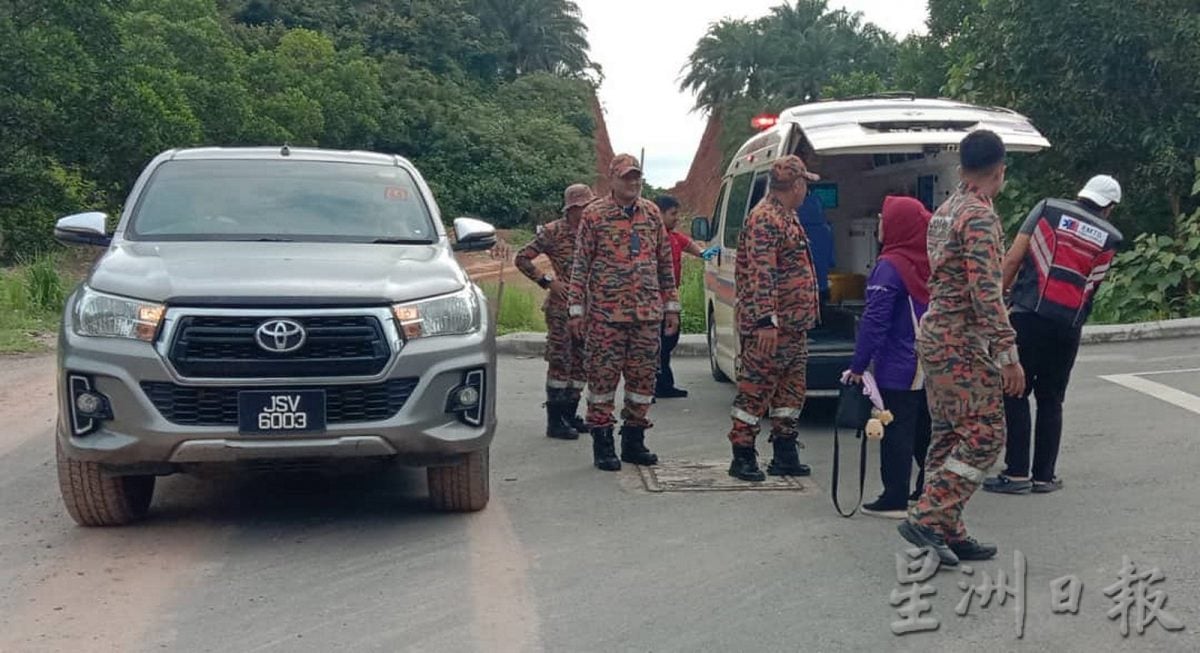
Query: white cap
point(1102, 190)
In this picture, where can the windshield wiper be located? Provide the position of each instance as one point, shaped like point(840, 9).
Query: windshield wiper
point(401, 241)
point(264, 239)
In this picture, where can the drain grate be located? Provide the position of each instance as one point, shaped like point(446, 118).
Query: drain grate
point(687, 476)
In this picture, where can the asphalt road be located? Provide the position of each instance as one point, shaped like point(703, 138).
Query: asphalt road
point(567, 558)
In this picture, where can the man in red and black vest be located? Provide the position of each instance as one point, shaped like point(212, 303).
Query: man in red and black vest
point(1053, 270)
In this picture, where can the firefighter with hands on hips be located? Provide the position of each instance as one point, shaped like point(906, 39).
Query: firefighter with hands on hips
point(565, 376)
point(622, 294)
point(777, 303)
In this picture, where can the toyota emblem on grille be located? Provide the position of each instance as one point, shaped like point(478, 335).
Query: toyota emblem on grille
point(280, 336)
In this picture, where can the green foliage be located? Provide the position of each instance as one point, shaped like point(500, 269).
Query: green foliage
point(1158, 279)
point(520, 308)
point(93, 90)
point(786, 57)
point(691, 296)
point(1114, 85)
point(31, 299)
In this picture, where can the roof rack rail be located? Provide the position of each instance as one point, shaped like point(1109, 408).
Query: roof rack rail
point(885, 95)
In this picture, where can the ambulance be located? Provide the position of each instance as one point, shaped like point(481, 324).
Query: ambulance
point(864, 149)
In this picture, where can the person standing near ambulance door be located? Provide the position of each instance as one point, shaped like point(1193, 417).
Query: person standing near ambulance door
point(622, 294)
point(668, 206)
point(1058, 261)
point(565, 376)
point(776, 306)
point(897, 296)
point(968, 351)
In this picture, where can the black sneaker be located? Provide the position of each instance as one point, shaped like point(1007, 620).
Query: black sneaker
point(879, 508)
point(671, 393)
point(970, 549)
point(1046, 487)
point(923, 536)
point(1002, 484)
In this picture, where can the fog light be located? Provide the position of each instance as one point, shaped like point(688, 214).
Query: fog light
point(88, 407)
point(89, 404)
point(467, 397)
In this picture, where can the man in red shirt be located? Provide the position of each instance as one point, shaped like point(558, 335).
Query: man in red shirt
point(669, 207)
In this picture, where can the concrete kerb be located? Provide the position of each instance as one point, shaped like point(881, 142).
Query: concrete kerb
point(696, 345)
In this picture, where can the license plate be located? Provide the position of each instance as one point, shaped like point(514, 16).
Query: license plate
point(281, 412)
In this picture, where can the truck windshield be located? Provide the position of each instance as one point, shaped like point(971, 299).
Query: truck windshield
point(273, 200)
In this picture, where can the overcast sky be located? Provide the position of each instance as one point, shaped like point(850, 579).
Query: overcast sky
point(642, 46)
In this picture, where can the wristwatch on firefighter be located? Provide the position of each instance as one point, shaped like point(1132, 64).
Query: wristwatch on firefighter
point(1007, 357)
point(545, 281)
point(768, 322)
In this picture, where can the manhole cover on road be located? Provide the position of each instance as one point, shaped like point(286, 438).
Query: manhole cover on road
point(687, 476)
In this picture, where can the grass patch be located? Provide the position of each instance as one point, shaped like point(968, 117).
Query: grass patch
point(31, 300)
point(691, 296)
point(520, 308)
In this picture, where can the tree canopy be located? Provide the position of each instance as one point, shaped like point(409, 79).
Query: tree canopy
point(495, 111)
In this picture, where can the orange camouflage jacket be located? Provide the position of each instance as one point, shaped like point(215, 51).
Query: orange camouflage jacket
point(622, 268)
point(557, 241)
point(966, 299)
point(775, 280)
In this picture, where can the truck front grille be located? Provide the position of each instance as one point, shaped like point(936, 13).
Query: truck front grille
point(209, 346)
point(218, 406)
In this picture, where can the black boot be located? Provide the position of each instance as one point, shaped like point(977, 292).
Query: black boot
point(556, 424)
point(571, 415)
point(745, 465)
point(604, 452)
point(633, 447)
point(786, 461)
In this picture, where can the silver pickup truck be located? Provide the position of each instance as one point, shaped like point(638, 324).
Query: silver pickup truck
point(273, 305)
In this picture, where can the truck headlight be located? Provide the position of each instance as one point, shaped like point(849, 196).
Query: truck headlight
point(449, 315)
point(108, 316)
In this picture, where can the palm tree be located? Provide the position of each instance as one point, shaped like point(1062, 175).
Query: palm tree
point(542, 35)
point(787, 56)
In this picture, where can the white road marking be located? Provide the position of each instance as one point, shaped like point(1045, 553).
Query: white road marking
point(1189, 371)
point(1157, 390)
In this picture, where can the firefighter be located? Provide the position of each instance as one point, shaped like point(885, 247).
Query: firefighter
point(565, 378)
point(777, 303)
point(622, 292)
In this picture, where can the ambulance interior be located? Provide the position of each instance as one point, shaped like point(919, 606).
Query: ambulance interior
point(852, 190)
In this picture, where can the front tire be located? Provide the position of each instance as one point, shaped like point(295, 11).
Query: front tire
point(463, 487)
point(714, 367)
point(95, 498)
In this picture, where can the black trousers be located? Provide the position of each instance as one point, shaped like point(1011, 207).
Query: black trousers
point(1047, 350)
point(666, 377)
point(904, 440)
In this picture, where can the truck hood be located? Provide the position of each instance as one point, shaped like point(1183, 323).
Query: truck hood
point(232, 273)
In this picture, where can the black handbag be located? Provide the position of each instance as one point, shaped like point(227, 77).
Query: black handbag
point(853, 411)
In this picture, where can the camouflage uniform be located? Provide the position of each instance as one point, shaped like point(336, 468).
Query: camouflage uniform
point(622, 284)
point(565, 377)
point(963, 340)
point(776, 286)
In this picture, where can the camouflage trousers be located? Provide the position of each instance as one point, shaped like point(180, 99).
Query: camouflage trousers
point(564, 354)
point(770, 386)
point(616, 349)
point(966, 405)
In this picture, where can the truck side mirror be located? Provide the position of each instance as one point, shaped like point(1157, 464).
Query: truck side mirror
point(701, 229)
point(83, 229)
point(473, 235)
